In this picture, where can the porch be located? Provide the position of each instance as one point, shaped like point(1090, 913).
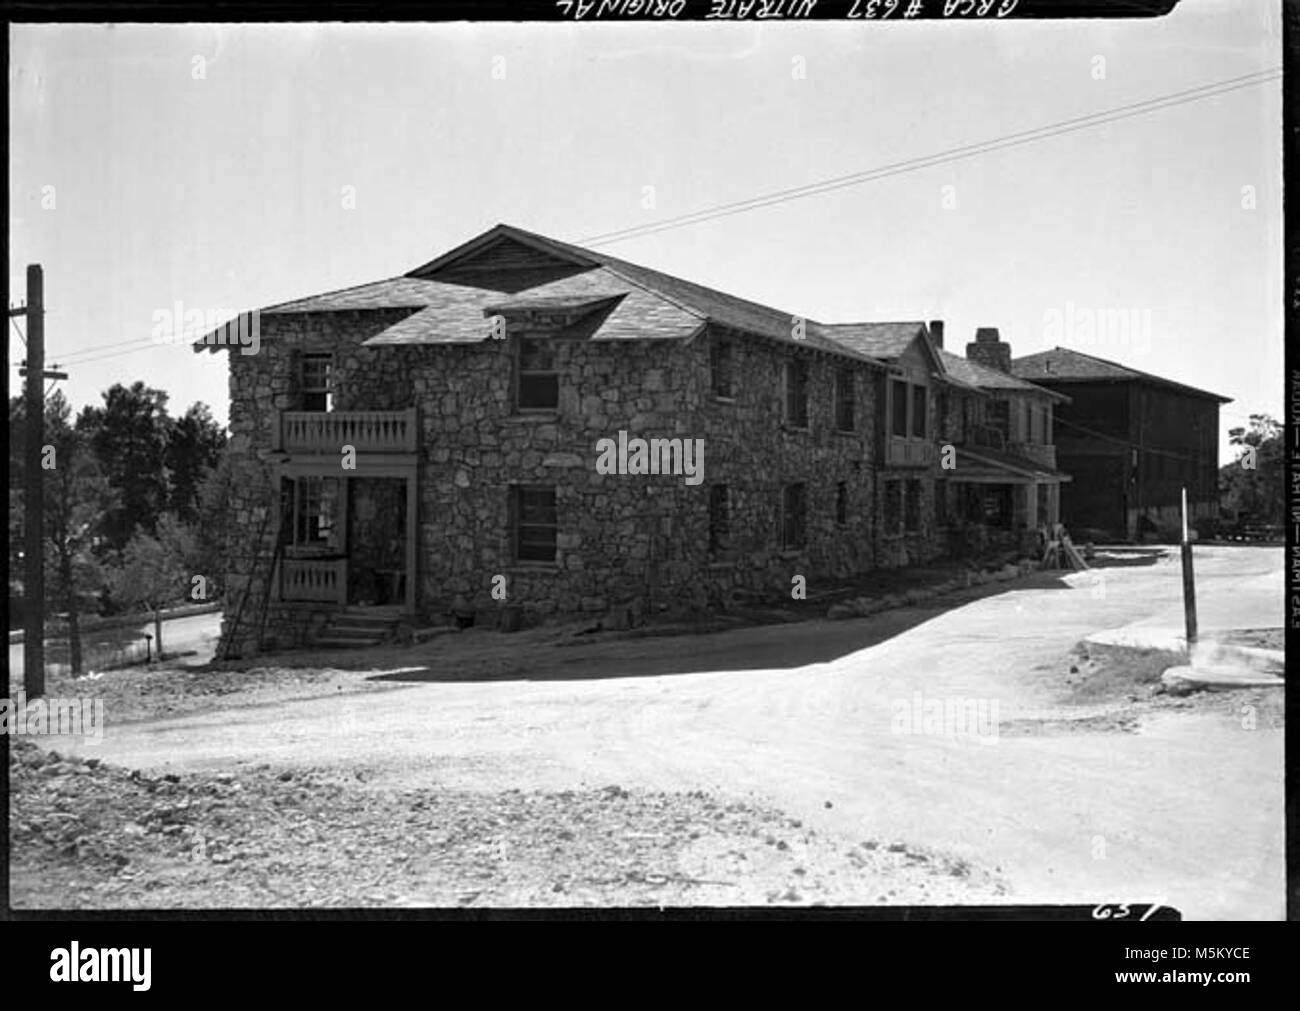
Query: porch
point(348, 540)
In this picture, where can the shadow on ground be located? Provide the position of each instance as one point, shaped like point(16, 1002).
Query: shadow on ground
point(501, 657)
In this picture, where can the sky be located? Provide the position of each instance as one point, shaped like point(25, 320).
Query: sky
point(162, 170)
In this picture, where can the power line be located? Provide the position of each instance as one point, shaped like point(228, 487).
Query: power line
point(943, 157)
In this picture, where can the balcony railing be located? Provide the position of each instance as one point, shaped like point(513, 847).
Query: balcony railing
point(322, 580)
point(900, 452)
point(364, 431)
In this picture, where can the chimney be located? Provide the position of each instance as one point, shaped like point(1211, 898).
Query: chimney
point(990, 350)
point(936, 332)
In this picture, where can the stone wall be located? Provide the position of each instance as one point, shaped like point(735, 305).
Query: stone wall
point(623, 539)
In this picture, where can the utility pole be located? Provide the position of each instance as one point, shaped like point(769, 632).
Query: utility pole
point(34, 492)
point(1189, 584)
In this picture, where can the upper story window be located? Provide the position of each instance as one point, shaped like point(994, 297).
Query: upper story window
point(720, 367)
point(845, 406)
point(919, 408)
point(537, 385)
point(999, 417)
point(898, 407)
point(909, 403)
point(796, 393)
point(316, 382)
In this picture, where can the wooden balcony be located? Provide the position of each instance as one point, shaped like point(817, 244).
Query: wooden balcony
point(319, 580)
point(900, 452)
point(327, 432)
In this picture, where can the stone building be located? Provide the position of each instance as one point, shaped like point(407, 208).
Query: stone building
point(428, 445)
point(522, 428)
point(967, 461)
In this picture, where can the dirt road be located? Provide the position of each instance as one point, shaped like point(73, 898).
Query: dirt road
point(1187, 809)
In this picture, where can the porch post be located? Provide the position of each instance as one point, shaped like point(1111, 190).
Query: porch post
point(345, 487)
point(412, 504)
point(1031, 505)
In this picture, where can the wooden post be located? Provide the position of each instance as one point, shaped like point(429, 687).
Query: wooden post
point(1189, 582)
point(34, 497)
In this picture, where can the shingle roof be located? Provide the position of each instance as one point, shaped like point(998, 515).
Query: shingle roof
point(985, 378)
point(650, 305)
point(879, 340)
point(1065, 365)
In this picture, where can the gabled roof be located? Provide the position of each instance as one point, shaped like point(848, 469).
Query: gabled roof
point(1065, 365)
point(885, 341)
point(452, 296)
point(985, 378)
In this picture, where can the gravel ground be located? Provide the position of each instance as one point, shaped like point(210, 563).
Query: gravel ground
point(86, 835)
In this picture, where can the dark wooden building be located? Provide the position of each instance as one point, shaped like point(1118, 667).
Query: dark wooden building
point(1131, 441)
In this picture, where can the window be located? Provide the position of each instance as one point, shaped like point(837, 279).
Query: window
point(844, 400)
point(719, 519)
point(999, 417)
point(793, 516)
point(918, 412)
point(893, 507)
point(941, 502)
point(315, 382)
point(1047, 425)
point(534, 522)
point(315, 512)
point(912, 507)
point(898, 409)
point(720, 367)
point(796, 393)
point(538, 387)
point(841, 503)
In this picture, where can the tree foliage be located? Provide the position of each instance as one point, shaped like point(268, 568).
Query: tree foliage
point(1253, 487)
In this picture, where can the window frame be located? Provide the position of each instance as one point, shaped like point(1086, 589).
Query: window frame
point(525, 345)
point(719, 519)
point(912, 496)
point(722, 374)
point(895, 387)
point(325, 390)
point(846, 397)
point(796, 393)
point(918, 396)
point(518, 524)
point(309, 529)
point(794, 516)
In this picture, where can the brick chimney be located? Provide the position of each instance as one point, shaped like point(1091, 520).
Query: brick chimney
point(936, 332)
point(990, 350)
